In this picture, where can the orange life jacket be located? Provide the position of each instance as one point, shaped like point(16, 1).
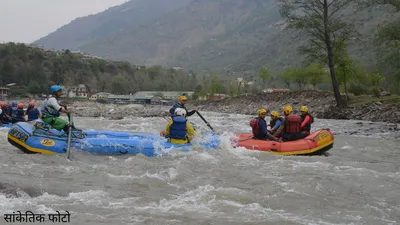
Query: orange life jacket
point(293, 124)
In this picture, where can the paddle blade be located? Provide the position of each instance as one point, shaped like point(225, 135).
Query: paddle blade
point(205, 121)
point(69, 136)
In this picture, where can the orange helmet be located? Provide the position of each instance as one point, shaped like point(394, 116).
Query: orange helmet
point(2, 105)
point(20, 105)
point(31, 104)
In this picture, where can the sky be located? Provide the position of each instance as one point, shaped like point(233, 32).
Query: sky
point(28, 20)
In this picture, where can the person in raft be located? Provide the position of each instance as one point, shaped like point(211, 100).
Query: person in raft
point(179, 130)
point(259, 126)
point(181, 104)
point(51, 110)
point(14, 112)
point(306, 121)
point(4, 117)
point(32, 112)
point(291, 126)
point(19, 114)
point(275, 122)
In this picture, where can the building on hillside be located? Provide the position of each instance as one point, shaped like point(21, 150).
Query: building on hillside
point(75, 52)
point(100, 95)
point(120, 99)
point(79, 91)
point(165, 95)
point(4, 92)
point(90, 56)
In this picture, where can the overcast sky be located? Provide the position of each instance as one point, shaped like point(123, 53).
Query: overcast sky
point(29, 20)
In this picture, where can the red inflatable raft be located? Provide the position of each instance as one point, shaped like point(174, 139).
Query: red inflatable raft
point(316, 143)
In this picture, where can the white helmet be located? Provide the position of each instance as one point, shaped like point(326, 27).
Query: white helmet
point(180, 112)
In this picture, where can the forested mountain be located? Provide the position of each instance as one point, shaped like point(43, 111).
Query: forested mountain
point(235, 36)
point(90, 28)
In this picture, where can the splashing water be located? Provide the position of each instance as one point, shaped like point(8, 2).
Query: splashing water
point(357, 184)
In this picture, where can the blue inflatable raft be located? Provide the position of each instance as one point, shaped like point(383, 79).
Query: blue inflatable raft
point(38, 137)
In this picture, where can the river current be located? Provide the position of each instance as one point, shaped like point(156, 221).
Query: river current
point(358, 183)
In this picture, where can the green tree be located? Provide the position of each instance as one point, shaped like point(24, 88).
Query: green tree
point(376, 80)
point(387, 41)
point(119, 85)
point(320, 20)
point(264, 75)
point(287, 76)
point(345, 69)
point(316, 74)
point(300, 77)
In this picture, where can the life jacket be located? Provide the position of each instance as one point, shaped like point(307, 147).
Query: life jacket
point(4, 112)
point(293, 124)
point(307, 127)
point(49, 110)
point(178, 128)
point(14, 113)
point(9, 110)
point(20, 115)
point(273, 122)
point(33, 114)
point(255, 126)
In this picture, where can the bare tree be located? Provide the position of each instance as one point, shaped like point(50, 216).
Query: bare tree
point(320, 21)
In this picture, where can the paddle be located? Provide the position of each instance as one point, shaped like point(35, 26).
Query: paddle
point(205, 121)
point(69, 133)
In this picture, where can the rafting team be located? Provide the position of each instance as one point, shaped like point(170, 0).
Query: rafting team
point(291, 127)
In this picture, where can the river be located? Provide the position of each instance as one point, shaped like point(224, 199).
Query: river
point(358, 183)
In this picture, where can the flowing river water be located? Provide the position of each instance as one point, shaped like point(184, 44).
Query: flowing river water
point(358, 183)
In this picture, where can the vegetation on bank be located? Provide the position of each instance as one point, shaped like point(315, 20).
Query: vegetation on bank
point(329, 36)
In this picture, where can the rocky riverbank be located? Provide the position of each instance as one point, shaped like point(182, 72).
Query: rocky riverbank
point(321, 105)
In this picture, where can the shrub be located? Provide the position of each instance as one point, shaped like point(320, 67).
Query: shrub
point(357, 89)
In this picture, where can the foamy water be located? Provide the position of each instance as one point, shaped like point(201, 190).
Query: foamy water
point(358, 183)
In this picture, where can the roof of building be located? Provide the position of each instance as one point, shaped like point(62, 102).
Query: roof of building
point(120, 96)
point(166, 94)
point(102, 93)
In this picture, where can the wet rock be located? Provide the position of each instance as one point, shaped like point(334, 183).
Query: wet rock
point(321, 105)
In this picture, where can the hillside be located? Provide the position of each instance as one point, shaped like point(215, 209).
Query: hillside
point(231, 35)
point(87, 29)
point(235, 36)
point(200, 25)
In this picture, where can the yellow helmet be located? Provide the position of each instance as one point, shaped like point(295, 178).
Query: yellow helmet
point(274, 114)
point(261, 111)
point(182, 98)
point(287, 110)
point(304, 109)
